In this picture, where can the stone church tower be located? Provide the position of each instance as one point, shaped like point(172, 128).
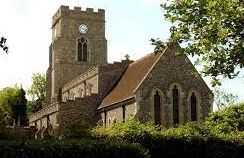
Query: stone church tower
point(78, 43)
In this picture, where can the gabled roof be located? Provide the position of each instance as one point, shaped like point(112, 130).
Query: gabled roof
point(130, 80)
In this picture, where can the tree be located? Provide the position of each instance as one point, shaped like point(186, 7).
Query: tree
point(8, 99)
point(211, 30)
point(19, 109)
point(3, 44)
point(37, 92)
point(13, 105)
point(224, 99)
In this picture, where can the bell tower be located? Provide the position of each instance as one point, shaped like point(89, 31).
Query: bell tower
point(78, 43)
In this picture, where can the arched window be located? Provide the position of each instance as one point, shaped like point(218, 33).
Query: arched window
point(89, 89)
point(114, 121)
point(80, 92)
point(109, 121)
point(193, 107)
point(157, 118)
point(175, 106)
point(72, 96)
point(82, 50)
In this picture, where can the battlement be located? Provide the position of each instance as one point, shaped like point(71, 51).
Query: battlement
point(77, 11)
point(89, 73)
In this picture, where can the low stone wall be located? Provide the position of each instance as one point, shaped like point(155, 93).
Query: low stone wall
point(21, 132)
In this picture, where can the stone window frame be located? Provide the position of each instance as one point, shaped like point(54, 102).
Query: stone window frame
point(162, 107)
point(198, 106)
point(80, 92)
point(109, 121)
point(114, 121)
point(88, 49)
point(72, 96)
point(170, 103)
point(89, 89)
point(105, 119)
point(65, 99)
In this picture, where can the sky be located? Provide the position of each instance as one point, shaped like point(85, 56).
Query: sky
point(130, 24)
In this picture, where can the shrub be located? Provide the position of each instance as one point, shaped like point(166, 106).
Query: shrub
point(189, 130)
point(3, 132)
point(228, 120)
point(130, 130)
point(76, 130)
point(71, 148)
point(190, 140)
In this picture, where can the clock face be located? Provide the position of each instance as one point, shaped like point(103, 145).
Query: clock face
point(83, 28)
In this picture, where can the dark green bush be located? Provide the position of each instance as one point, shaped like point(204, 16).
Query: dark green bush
point(71, 149)
point(228, 120)
point(3, 132)
point(77, 130)
point(196, 140)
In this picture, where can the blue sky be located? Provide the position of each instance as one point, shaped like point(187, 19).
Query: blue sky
point(129, 27)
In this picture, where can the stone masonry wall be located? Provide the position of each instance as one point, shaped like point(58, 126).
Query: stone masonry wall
point(173, 70)
point(78, 110)
point(109, 75)
point(116, 114)
point(83, 85)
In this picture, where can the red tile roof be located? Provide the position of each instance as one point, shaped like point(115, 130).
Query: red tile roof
point(130, 80)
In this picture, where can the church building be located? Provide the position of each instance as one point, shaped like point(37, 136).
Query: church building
point(81, 86)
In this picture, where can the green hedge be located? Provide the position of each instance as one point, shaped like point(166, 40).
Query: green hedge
point(71, 149)
point(191, 140)
point(220, 136)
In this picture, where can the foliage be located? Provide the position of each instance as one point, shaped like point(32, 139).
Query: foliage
point(3, 44)
point(71, 148)
point(223, 99)
point(221, 135)
point(211, 30)
point(77, 130)
point(37, 92)
point(228, 120)
point(19, 110)
point(2, 124)
point(130, 130)
point(12, 103)
point(191, 129)
point(8, 99)
point(224, 123)
point(189, 140)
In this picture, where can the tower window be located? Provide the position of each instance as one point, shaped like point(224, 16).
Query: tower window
point(193, 107)
point(157, 118)
point(82, 50)
point(175, 106)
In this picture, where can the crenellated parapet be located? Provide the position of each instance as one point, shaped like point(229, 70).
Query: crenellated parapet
point(77, 12)
point(81, 78)
point(52, 108)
